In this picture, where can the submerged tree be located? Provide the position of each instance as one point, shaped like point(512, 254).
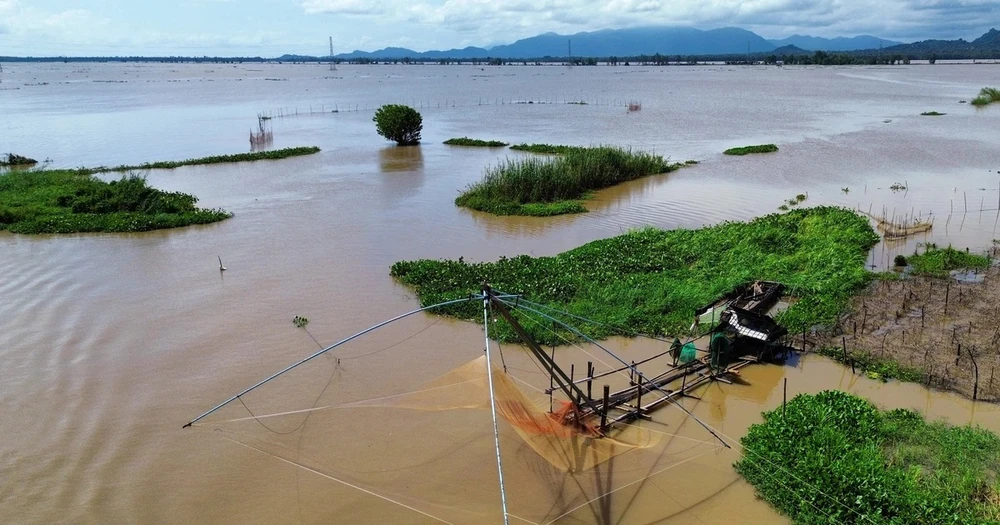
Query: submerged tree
point(399, 123)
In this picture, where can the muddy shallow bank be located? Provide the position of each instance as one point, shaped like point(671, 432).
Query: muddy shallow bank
point(944, 332)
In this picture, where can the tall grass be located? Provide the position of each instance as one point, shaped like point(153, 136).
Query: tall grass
point(651, 281)
point(69, 201)
point(466, 141)
point(762, 148)
point(217, 159)
point(505, 189)
point(987, 95)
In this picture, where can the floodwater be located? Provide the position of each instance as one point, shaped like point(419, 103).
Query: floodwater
point(111, 343)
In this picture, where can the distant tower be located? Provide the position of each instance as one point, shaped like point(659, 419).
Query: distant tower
point(333, 66)
point(569, 52)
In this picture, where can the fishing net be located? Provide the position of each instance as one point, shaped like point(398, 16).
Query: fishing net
point(567, 448)
point(396, 427)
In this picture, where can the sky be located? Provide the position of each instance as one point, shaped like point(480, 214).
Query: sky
point(274, 27)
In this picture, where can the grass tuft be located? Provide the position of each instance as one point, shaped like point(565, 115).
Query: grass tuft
point(536, 186)
point(549, 149)
point(835, 458)
point(651, 280)
point(466, 141)
point(986, 96)
point(937, 262)
point(12, 159)
point(762, 148)
point(932, 114)
point(217, 159)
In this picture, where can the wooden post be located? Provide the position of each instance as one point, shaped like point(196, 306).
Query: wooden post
point(864, 317)
point(843, 342)
point(803, 341)
point(604, 409)
point(552, 379)
point(638, 397)
point(590, 379)
point(784, 397)
point(921, 316)
point(947, 292)
point(975, 368)
point(855, 328)
point(958, 353)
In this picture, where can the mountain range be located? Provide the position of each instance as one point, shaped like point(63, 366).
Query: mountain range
point(631, 42)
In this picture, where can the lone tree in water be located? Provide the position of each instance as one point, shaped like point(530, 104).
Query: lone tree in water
point(399, 123)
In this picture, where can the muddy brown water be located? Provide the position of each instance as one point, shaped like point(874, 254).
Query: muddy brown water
point(111, 342)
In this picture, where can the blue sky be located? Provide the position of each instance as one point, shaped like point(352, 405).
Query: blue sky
point(274, 27)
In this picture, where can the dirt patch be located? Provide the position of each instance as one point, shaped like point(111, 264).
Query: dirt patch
point(937, 331)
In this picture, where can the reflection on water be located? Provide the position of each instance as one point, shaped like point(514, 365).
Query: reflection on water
point(401, 158)
point(112, 342)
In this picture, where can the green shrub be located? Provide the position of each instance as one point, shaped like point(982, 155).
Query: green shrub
point(399, 123)
point(763, 148)
point(651, 281)
point(834, 458)
point(900, 260)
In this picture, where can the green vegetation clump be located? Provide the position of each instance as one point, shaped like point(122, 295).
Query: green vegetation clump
point(651, 281)
point(217, 159)
point(534, 186)
point(875, 367)
point(690, 162)
point(834, 458)
point(900, 260)
point(399, 123)
point(937, 262)
point(932, 114)
point(550, 149)
point(762, 148)
point(986, 96)
point(70, 201)
point(12, 159)
point(466, 141)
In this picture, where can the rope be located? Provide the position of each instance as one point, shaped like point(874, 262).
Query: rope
point(342, 482)
point(397, 343)
point(668, 467)
point(352, 404)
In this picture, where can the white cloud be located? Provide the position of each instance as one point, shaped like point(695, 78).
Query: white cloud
point(505, 21)
point(347, 7)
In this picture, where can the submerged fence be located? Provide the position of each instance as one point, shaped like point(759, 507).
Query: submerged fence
point(321, 109)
